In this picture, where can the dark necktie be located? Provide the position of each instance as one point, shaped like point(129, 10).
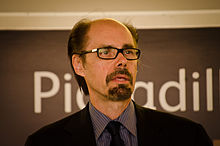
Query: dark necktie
point(113, 128)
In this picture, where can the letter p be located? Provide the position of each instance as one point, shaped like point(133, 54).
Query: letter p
point(38, 94)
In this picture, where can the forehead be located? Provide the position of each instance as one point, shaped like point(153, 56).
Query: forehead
point(108, 32)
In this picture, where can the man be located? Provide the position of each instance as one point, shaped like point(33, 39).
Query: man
point(104, 57)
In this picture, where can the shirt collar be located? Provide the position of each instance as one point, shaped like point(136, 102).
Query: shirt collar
point(128, 118)
point(100, 121)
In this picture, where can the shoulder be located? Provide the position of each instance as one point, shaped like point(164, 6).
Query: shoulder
point(56, 133)
point(171, 128)
point(60, 124)
point(161, 117)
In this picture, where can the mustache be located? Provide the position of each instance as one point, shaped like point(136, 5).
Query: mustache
point(117, 72)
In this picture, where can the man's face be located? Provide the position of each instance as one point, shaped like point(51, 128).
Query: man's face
point(109, 79)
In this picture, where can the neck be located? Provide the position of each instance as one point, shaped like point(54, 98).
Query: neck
point(112, 109)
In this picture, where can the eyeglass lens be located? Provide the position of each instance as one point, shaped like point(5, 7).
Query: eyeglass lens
point(109, 53)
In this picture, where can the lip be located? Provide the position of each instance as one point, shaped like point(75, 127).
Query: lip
point(121, 78)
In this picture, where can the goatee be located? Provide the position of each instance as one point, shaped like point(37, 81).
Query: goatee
point(119, 93)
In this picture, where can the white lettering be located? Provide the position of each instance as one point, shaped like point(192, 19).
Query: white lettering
point(182, 93)
point(67, 94)
point(180, 85)
point(150, 93)
point(209, 89)
point(38, 94)
point(195, 75)
point(79, 99)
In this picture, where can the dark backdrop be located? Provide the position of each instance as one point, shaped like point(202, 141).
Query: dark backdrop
point(176, 65)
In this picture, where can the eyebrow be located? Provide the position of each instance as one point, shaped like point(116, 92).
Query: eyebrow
point(124, 46)
point(128, 46)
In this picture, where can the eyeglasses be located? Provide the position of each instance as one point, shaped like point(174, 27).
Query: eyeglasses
point(108, 53)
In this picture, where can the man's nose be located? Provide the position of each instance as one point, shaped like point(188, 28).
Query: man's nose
point(121, 61)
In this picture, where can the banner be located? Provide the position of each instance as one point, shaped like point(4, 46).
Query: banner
point(179, 72)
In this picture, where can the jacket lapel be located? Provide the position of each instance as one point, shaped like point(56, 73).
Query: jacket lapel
point(147, 130)
point(81, 129)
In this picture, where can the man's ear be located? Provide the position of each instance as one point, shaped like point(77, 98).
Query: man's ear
point(78, 65)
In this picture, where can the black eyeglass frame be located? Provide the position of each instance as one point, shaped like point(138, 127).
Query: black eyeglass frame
point(118, 51)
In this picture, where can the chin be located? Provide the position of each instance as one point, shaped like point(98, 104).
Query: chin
point(120, 93)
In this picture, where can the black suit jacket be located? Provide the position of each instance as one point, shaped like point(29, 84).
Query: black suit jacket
point(153, 129)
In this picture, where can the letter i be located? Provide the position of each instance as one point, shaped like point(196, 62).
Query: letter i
point(209, 89)
point(195, 75)
point(67, 94)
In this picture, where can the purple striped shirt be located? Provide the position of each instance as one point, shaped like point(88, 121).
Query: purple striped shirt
point(128, 131)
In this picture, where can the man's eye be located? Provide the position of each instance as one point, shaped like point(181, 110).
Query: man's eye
point(129, 52)
point(104, 51)
point(107, 52)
